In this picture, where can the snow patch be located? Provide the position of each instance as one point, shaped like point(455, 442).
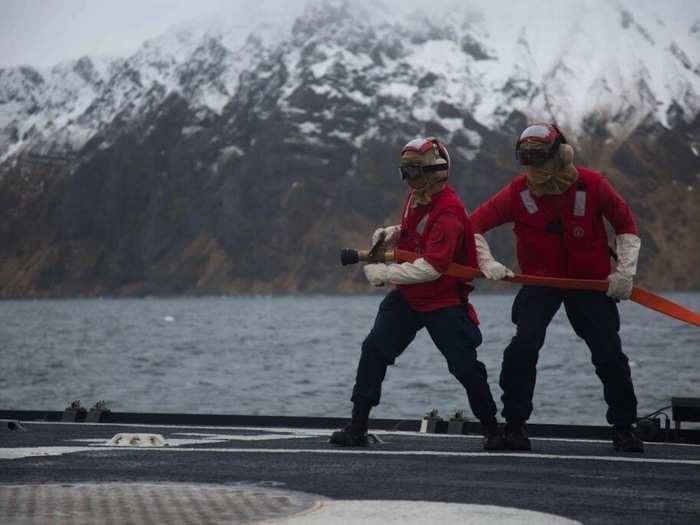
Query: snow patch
point(320, 69)
point(398, 90)
point(343, 135)
point(561, 70)
point(452, 124)
point(359, 97)
point(467, 153)
point(191, 130)
point(229, 151)
point(323, 89)
point(473, 137)
point(309, 128)
point(424, 114)
point(359, 141)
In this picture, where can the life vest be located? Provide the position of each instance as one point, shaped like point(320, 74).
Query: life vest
point(561, 235)
point(416, 224)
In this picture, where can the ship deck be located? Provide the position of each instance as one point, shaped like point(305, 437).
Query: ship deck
point(289, 473)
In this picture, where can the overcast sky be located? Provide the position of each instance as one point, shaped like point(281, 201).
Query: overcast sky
point(44, 32)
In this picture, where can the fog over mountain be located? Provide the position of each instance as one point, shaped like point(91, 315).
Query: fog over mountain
point(217, 160)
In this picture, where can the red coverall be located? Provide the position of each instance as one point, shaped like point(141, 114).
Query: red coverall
point(563, 236)
point(441, 233)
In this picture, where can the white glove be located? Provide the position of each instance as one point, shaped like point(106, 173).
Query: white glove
point(391, 235)
point(489, 266)
point(619, 286)
point(376, 273)
point(621, 280)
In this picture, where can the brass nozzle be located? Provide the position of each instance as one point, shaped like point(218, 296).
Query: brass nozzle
point(350, 256)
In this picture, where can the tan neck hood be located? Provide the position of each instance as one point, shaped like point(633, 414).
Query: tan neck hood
point(555, 176)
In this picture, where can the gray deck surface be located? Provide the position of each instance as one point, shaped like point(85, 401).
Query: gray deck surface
point(581, 480)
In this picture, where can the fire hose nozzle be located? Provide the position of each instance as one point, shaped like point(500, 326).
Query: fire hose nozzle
point(350, 256)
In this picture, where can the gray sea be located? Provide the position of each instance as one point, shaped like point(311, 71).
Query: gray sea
point(297, 355)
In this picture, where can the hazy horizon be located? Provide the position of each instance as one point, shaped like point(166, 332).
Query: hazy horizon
point(42, 33)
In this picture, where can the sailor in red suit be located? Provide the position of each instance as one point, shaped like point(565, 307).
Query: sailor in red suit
point(557, 210)
point(435, 224)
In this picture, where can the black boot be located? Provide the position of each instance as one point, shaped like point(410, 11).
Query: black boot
point(516, 437)
point(349, 437)
point(355, 433)
point(493, 437)
point(626, 441)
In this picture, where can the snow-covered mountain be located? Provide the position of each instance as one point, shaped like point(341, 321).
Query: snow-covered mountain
point(193, 164)
point(563, 60)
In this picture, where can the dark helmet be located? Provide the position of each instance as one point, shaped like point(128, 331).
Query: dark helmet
point(538, 143)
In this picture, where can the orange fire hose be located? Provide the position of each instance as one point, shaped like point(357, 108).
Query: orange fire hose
point(639, 295)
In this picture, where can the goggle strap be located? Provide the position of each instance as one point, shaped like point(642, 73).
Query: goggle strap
point(423, 169)
point(434, 167)
point(558, 141)
point(561, 137)
point(427, 169)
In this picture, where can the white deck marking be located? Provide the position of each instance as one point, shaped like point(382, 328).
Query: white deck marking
point(327, 432)
point(31, 452)
point(527, 455)
point(206, 439)
point(13, 453)
point(398, 512)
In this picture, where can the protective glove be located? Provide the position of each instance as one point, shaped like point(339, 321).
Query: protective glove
point(621, 281)
point(619, 286)
point(376, 273)
point(489, 266)
point(391, 235)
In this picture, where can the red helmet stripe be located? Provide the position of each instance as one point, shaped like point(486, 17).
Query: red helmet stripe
point(423, 145)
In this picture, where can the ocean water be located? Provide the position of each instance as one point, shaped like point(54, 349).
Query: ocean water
point(297, 355)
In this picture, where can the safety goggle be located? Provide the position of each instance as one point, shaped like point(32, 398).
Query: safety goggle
point(544, 133)
point(414, 171)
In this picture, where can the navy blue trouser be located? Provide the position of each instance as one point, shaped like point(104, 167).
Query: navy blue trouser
point(455, 335)
point(595, 319)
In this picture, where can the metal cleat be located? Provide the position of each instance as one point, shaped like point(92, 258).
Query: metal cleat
point(74, 413)
point(430, 421)
point(97, 412)
point(455, 425)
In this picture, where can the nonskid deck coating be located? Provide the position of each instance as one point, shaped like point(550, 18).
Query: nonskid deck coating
point(582, 480)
